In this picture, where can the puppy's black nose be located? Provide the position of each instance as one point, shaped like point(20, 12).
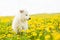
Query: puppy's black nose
point(29, 18)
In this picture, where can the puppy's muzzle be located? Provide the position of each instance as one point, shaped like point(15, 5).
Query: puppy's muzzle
point(29, 18)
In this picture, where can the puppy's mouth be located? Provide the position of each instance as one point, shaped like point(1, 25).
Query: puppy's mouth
point(29, 19)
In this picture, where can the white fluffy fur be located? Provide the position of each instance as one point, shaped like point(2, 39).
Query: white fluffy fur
point(20, 21)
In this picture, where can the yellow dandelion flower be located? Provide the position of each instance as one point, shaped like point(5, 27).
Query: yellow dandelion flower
point(3, 35)
point(9, 35)
point(40, 34)
point(28, 36)
point(47, 36)
point(37, 39)
point(0, 37)
point(34, 34)
point(56, 36)
point(28, 31)
point(48, 30)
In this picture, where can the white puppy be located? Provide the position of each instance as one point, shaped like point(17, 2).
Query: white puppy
point(20, 21)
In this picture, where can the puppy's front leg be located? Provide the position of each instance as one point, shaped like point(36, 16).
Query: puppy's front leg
point(20, 28)
point(15, 29)
point(25, 27)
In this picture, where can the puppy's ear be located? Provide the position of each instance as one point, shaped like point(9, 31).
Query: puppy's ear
point(21, 11)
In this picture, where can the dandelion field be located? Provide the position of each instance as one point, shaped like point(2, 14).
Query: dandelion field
point(41, 27)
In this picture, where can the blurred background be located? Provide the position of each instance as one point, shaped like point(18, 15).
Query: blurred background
point(12, 7)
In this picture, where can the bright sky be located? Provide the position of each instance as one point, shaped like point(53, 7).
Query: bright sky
point(12, 7)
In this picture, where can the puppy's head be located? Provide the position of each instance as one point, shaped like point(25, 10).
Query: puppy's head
point(24, 15)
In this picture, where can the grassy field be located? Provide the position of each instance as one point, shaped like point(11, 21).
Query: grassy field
point(41, 27)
